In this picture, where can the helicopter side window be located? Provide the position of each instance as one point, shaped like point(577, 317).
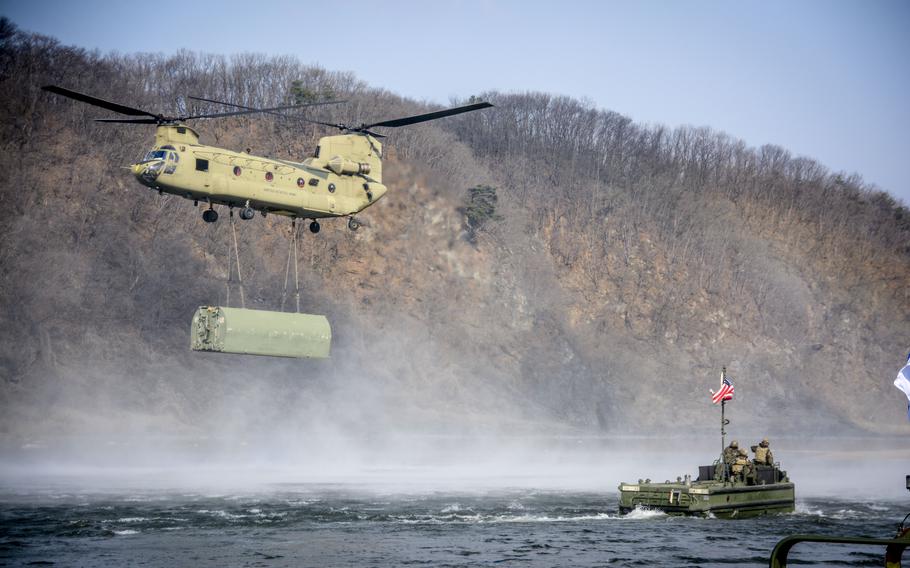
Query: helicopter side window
point(202, 165)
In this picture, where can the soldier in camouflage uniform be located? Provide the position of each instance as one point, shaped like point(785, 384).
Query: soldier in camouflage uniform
point(731, 452)
point(742, 467)
point(763, 455)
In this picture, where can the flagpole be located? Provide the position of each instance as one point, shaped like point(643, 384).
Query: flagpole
point(723, 432)
point(723, 419)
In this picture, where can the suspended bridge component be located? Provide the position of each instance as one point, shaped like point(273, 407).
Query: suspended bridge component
point(259, 332)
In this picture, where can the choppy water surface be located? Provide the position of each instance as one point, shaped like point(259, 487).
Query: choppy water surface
point(345, 525)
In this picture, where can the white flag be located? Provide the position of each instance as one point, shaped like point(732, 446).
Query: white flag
point(903, 382)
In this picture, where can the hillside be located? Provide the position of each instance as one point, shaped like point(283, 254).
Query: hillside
point(625, 265)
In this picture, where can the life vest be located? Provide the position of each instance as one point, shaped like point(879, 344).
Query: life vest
point(761, 455)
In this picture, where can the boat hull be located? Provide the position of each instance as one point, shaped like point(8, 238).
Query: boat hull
point(723, 500)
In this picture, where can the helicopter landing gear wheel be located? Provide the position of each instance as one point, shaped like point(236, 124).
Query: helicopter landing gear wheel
point(314, 227)
point(247, 213)
point(353, 224)
point(209, 215)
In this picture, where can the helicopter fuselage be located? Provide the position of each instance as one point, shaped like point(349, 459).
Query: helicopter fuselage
point(343, 178)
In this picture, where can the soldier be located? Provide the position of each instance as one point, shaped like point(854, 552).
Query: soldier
point(741, 467)
point(731, 452)
point(763, 455)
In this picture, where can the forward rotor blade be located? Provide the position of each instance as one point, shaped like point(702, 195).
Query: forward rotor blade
point(218, 102)
point(221, 114)
point(428, 116)
point(129, 120)
point(81, 97)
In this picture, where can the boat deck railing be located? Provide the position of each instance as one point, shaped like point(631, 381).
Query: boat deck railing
point(894, 547)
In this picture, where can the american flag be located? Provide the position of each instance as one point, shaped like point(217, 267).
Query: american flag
point(725, 392)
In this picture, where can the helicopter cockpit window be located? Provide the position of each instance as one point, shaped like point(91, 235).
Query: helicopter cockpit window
point(175, 157)
point(155, 155)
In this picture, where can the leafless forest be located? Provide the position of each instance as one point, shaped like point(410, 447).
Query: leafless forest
point(624, 265)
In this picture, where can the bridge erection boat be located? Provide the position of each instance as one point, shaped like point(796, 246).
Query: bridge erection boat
point(715, 492)
point(733, 486)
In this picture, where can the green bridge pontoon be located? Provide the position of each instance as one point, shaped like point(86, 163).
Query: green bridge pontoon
point(258, 332)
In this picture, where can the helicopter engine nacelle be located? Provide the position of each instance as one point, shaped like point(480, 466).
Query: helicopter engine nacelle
point(342, 166)
point(358, 154)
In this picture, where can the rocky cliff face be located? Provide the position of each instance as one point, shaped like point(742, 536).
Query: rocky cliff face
point(626, 266)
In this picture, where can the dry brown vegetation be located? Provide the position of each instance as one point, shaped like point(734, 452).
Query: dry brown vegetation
point(624, 265)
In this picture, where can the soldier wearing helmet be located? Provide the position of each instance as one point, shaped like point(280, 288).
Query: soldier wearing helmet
point(763, 455)
point(731, 452)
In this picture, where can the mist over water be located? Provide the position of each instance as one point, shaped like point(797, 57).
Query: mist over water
point(266, 422)
point(439, 502)
point(856, 467)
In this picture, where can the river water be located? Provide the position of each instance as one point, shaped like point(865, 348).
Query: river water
point(427, 502)
point(351, 525)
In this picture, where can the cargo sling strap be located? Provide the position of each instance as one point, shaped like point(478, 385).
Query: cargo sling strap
point(234, 254)
point(292, 253)
point(234, 258)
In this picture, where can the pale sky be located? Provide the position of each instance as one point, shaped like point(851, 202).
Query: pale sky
point(827, 79)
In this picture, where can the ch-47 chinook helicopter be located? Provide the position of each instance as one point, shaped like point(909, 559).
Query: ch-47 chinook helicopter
point(343, 178)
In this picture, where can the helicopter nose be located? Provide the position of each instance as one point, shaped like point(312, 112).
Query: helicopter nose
point(148, 172)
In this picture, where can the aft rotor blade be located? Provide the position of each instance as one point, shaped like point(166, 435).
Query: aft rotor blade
point(82, 97)
point(304, 105)
point(334, 124)
point(252, 110)
point(428, 116)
